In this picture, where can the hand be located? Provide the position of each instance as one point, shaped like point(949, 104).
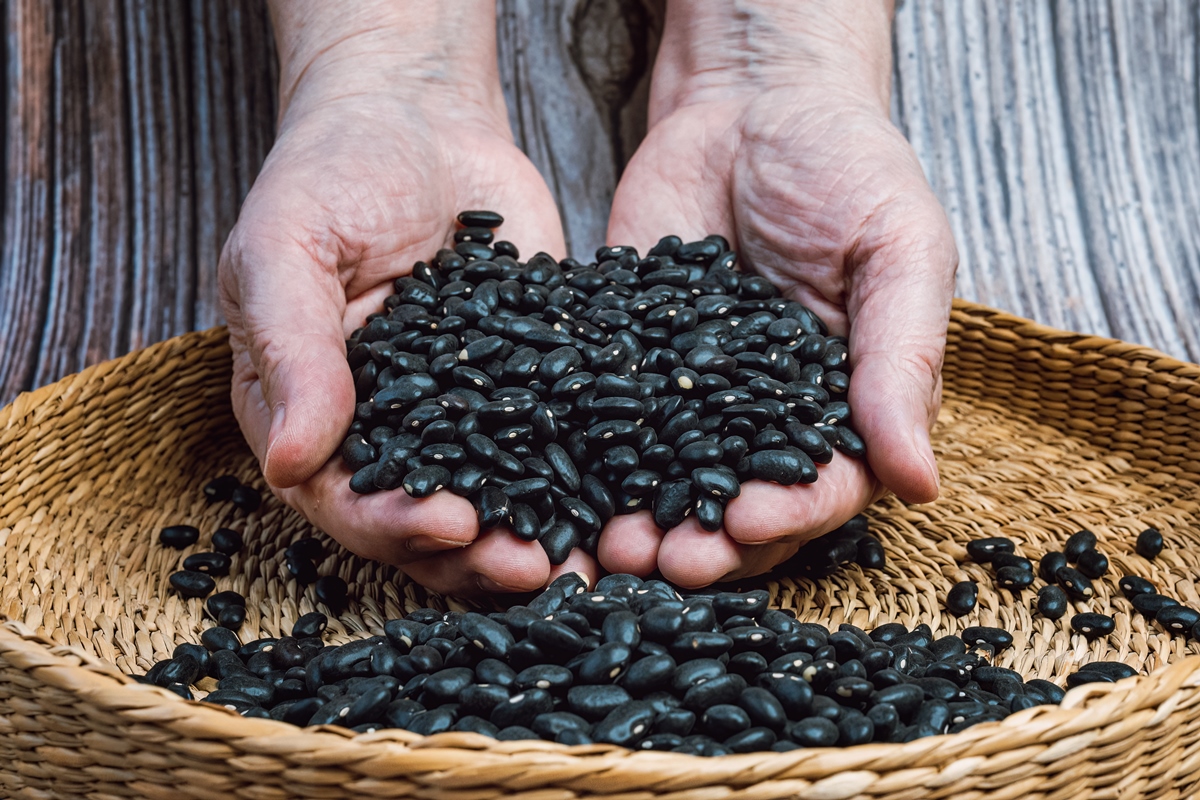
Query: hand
point(782, 143)
point(380, 144)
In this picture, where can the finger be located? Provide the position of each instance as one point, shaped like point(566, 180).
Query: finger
point(497, 562)
point(765, 512)
point(629, 544)
point(693, 558)
point(295, 396)
point(580, 563)
point(899, 309)
point(383, 526)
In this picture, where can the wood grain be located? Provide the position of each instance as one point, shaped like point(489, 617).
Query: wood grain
point(1063, 139)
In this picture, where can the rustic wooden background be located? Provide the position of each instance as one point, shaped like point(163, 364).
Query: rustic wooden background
point(1062, 137)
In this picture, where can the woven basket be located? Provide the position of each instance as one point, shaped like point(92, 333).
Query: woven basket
point(1041, 433)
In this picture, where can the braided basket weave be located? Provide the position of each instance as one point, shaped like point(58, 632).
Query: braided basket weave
point(1041, 433)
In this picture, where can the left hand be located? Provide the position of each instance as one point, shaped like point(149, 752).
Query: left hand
point(798, 165)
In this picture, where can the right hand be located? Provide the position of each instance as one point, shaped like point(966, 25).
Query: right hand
point(379, 147)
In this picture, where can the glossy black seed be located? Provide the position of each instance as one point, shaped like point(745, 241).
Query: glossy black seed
point(1092, 563)
point(1074, 583)
point(814, 732)
point(217, 602)
point(215, 564)
point(493, 638)
point(1178, 619)
point(246, 498)
point(227, 541)
point(962, 597)
point(232, 617)
point(310, 624)
point(192, 584)
point(1051, 602)
point(1078, 543)
point(1050, 564)
point(982, 550)
point(1014, 578)
point(480, 219)
point(1000, 560)
point(1149, 543)
point(303, 570)
point(1092, 625)
point(332, 590)
point(869, 553)
point(1149, 605)
point(996, 637)
point(1132, 585)
point(219, 489)
point(179, 536)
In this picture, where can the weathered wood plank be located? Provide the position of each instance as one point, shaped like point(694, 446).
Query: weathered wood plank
point(1063, 138)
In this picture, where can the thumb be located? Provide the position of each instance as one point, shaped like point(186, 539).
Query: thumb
point(293, 393)
point(899, 310)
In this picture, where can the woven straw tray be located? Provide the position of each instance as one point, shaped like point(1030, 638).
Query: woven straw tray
point(1041, 433)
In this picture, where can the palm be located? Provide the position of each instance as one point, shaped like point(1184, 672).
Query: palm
point(363, 194)
point(810, 200)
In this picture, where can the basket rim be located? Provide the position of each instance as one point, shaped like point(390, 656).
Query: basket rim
point(393, 752)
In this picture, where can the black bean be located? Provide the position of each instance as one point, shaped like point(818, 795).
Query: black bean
point(1149, 543)
point(179, 536)
point(1078, 543)
point(216, 564)
point(192, 584)
point(491, 637)
point(219, 489)
point(331, 590)
point(869, 553)
point(962, 597)
point(1075, 583)
point(996, 637)
point(1092, 625)
point(246, 498)
point(1178, 619)
point(310, 624)
point(232, 617)
point(982, 550)
point(1149, 605)
point(303, 570)
point(814, 732)
point(227, 541)
point(1050, 564)
point(1014, 578)
point(1092, 563)
point(480, 219)
point(1051, 602)
point(1132, 585)
point(217, 602)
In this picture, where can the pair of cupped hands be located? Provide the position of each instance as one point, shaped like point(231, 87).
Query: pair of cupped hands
point(769, 127)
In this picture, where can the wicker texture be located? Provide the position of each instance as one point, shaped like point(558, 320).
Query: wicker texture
point(1041, 433)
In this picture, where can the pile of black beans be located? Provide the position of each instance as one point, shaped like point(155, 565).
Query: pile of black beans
point(632, 663)
point(555, 394)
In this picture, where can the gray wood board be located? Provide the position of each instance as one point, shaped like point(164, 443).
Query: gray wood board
point(1063, 139)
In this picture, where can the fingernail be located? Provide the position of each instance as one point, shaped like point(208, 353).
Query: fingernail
point(925, 449)
point(431, 544)
point(491, 586)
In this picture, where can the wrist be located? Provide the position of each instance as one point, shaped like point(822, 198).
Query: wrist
point(441, 57)
point(722, 49)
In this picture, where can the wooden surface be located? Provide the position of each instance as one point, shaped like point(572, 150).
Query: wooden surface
point(1062, 137)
